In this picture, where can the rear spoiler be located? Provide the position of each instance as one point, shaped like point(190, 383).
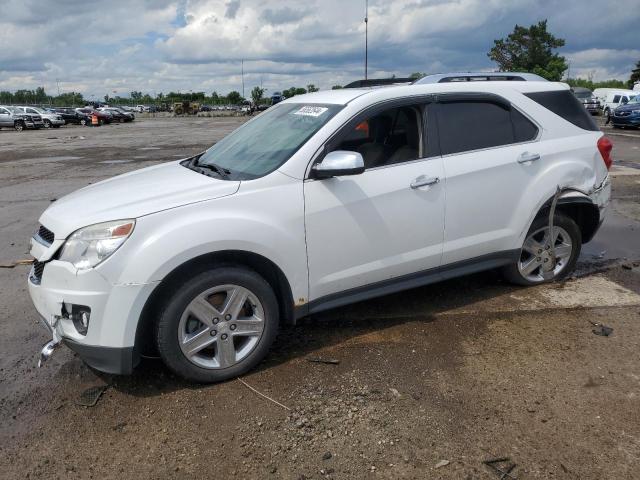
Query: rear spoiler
point(378, 82)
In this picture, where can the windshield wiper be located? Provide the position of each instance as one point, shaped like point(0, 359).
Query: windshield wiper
point(222, 172)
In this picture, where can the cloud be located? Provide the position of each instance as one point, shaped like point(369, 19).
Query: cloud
point(162, 45)
point(232, 9)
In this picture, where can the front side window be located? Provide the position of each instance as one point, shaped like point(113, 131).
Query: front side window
point(616, 99)
point(267, 142)
point(386, 138)
point(473, 125)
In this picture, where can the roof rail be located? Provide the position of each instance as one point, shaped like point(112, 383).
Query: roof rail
point(377, 82)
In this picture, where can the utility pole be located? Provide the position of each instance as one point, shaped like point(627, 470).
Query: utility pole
point(58, 84)
point(242, 74)
point(366, 38)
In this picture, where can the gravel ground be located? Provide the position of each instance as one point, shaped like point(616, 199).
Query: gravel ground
point(429, 383)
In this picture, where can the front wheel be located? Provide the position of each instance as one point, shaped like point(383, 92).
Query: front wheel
point(18, 126)
point(536, 252)
point(218, 325)
point(47, 124)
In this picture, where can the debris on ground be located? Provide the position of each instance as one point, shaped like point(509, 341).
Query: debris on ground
point(26, 261)
point(262, 394)
point(501, 466)
point(327, 456)
point(90, 397)
point(442, 463)
point(328, 361)
point(601, 329)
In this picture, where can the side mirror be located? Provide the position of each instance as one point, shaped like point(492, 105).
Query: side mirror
point(339, 163)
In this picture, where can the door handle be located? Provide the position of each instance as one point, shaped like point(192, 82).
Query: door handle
point(422, 181)
point(528, 157)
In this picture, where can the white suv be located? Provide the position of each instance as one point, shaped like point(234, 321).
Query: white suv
point(323, 200)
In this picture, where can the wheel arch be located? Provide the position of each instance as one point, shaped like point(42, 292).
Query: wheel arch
point(579, 207)
point(256, 262)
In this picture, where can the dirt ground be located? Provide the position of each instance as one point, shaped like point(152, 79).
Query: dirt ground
point(430, 383)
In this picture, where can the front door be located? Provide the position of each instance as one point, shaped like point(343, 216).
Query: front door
point(381, 225)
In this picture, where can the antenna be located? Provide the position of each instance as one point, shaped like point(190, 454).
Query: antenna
point(366, 38)
point(242, 73)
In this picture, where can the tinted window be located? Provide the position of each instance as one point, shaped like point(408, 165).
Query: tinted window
point(564, 104)
point(474, 124)
point(616, 99)
point(385, 138)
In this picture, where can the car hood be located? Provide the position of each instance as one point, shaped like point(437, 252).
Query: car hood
point(133, 195)
point(628, 107)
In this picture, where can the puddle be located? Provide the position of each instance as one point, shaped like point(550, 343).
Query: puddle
point(108, 162)
point(618, 237)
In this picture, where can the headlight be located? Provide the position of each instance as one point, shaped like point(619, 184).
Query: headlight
point(89, 246)
point(635, 112)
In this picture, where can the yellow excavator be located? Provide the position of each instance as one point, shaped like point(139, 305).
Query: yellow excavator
point(186, 108)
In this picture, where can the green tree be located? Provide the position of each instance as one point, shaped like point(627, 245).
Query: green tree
point(417, 75)
point(234, 98)
point(215, 98)
point(530, 50)
point(336, 87)
point(635, 75)
point(312, 88)
point(256, 94)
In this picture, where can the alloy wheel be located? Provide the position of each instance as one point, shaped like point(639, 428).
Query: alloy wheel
point(221, 326)
point(536, 252)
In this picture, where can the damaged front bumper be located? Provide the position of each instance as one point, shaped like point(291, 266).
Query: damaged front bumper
point(88, 314)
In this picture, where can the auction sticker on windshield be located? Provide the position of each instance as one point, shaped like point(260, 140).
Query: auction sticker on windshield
point(311, 111)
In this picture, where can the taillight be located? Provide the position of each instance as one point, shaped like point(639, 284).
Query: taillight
point(605, 146)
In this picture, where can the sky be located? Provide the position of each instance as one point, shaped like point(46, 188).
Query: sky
point(154, 46)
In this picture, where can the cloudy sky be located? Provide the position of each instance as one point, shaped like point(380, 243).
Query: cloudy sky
point(162, 45)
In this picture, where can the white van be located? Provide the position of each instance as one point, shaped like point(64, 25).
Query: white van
point(636, 87)
point(610, 98)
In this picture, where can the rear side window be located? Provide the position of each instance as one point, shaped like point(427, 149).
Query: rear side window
point(616, 99)
point(564, 104)
point(473, 125)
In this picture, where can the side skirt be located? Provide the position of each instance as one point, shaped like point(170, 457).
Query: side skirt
point(406, 282)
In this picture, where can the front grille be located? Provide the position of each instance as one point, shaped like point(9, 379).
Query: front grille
point(622, 114)
point(36, 272)
point(46, 235)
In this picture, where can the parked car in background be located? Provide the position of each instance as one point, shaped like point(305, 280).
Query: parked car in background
point(205, 258)
point(103, 117)
point(13, 117)
point(117, 114)
point(49, 119)
point(276, 98)
point(636, 87)
point(588, 99)
point(71, 115)
point(611, 98)
point(627, 115)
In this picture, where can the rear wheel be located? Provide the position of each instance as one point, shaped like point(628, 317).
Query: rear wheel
point(537, 252)
point(83, 122)
point(218, 325)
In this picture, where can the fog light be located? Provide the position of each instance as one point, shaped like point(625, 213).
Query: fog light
point(80, 315)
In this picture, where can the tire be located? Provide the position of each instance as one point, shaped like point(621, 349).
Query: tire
point(18, 126)
point(83, 122)
point(228, 344)
point(567, 248)
point(47, 124)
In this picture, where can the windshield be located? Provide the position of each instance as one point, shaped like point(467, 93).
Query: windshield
point(634, 99)
point(265, 143)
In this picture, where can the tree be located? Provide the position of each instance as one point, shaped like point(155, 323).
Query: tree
point(530, 50)
point(417, 75)
point(635, 75)
point(234, 98)
point(215, 98)
point(256, 94)
point(312, 88)
point(336, 87)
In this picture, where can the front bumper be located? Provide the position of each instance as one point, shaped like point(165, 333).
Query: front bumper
point(108, 344)
point(627, 121)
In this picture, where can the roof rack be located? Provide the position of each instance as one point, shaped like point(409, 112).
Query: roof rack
point(378, 82)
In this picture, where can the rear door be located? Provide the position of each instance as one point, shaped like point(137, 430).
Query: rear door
point(490, 156)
